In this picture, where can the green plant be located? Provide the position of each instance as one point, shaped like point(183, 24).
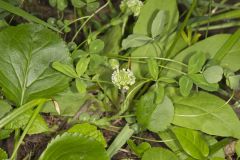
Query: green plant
point(157, 75)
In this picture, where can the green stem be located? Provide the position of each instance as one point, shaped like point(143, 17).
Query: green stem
point(37, 110)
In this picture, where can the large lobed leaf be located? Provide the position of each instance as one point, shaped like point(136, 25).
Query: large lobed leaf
point(26, 53)
point(72, 146)
point(207, 113)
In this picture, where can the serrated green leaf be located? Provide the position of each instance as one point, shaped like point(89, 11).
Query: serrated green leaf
point(201, 82)
point(202, 111)
point(39, 125)
point(192, 142)
point(185, 85)
point(135, 40)
point(213, 74)
point(3, 154)
point(196, 62)
point(90, 131)
point(159, 153)
point(140, 149)
point(65, 69)
point(26, 53)
point(154, 116)
point(74, 146)
point(4, 108)
point(158, 24)
point(82, 66)
point(81, 86)
point(153, 68)
point(96, 46)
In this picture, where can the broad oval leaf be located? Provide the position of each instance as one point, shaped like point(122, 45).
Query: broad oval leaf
point(71, 146)
point(81, 86)
point(207, 113)
point(196, 62)
point(96, 46)
point(153, 68)
point(148, 11)
point(82, 66)
point(186, 85)
point(158, 24)
point(213, 74)
point(26, 54)
point(192, 142)
point(159, 153)
point(154, 116)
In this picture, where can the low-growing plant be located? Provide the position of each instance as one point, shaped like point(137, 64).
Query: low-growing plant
point(145, 69)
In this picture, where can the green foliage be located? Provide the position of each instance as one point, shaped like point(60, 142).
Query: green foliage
point(74, 146)
point(237, 148)
point(3, 154)
point(159, 153)
point(26, 54)
point(186, 85)
point(196, 63)
point(82, 66)
point(149, 10)
point(158, 24)
point(90, 131)
point(4, 108)
point(65, 69)
point(192, 142)
point(153, 68)
point(213, 74)
point(39, 125)
point(135, 40)
point(96, 46)
point(152, 115)
point(138, 149)
point(69, 103)
point(207, 113)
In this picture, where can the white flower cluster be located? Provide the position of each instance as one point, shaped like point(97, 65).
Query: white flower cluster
point(123, 78)
point(133, 5)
